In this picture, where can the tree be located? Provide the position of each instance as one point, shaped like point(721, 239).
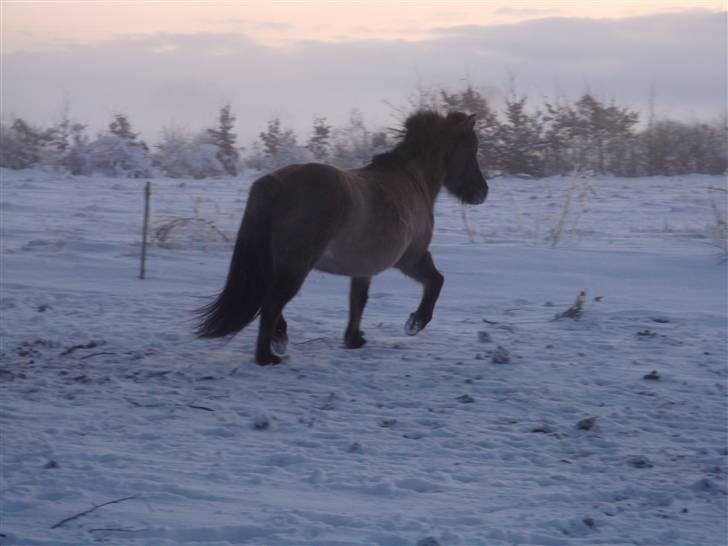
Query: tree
point(557, 137)
point(353, 146)
point(60, 135)
point(275, 139)
point(521, 140)
point(121, 127)
point(672, 148)
point(76, 158)
point(589, 136)
point(604, 132)
point(224, 139)
point(319, 143)
point(280, 147)
point(22, 145)
point(13, 154)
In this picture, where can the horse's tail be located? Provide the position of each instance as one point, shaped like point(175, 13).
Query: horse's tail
point(241, 299)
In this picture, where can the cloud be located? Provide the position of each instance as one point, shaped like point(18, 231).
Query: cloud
point(526, 12)
point(168, 78)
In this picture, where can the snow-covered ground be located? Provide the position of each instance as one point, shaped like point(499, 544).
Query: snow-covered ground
point(107, 398)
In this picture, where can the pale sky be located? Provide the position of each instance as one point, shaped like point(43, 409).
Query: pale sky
point(178, 62)
point(29, 24)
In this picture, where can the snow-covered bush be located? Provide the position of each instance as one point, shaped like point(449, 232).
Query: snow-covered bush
point(112, 155)
point(119, 153)
point(180, 155)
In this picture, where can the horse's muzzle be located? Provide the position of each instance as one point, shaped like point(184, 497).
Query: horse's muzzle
point(479, 196)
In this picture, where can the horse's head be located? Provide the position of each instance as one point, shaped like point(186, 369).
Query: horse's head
point(463, 177)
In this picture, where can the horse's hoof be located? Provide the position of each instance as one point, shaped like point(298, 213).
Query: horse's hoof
point(355, 341)
point(413, 325)
point(279, 346)
point(268, 359)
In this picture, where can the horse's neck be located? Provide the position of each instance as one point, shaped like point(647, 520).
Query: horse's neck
point(429, 175)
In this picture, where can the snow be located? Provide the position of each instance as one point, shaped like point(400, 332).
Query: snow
point(497, 425)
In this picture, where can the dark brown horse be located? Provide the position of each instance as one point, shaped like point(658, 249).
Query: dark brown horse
point(355, 223)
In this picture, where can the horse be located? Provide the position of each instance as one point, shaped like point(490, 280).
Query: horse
point(356, 223)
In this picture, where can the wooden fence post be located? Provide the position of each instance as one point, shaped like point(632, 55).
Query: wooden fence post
point(147, 193)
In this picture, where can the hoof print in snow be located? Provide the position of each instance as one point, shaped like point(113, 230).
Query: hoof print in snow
point(51, 464)
point(639, 461)
point(465, 399)
point(355, 448)
point(706, 485)
point(501, 355)
point(543, 429)
point(387, 423)
point(429, 541)
point(484, 337)
point(261, 421)
point(589, 522)
point(653, 376)
point(587, 424)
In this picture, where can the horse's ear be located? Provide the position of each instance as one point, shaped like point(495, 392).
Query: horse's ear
point(469, 122)
point(461, 120)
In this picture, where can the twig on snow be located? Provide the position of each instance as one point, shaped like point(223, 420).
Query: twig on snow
point(193, 406)
point(111, 529)
point(140, 405)
point(310, 340)
point(85, 512)
point(89, 345)
point(97, 354)
point(575, 310)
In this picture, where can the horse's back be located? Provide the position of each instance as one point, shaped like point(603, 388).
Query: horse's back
point(341, 222)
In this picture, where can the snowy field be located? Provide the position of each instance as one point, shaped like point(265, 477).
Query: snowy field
point(497, 425)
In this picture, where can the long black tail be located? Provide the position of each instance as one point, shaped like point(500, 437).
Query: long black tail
point(250, 269)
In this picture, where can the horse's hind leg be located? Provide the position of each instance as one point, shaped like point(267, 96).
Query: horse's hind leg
point(285, 285)
point(358, 296)
point(279, 342)
point(424, 272)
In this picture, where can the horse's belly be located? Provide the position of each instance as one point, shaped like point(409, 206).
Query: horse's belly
point(353, 261)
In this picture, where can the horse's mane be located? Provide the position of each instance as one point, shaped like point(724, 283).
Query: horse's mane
point(421, 134)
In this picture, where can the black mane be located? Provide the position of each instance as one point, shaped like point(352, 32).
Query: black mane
point(421, 134)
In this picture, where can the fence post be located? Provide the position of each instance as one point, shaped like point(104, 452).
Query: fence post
point(147, 193)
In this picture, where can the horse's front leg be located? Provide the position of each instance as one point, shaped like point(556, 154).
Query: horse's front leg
point(424, 272)
point(353, 338)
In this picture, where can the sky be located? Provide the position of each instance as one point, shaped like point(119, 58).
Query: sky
point(177, 63)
